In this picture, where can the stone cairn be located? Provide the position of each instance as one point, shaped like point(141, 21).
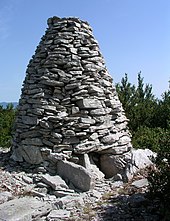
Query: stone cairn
point(70, 120)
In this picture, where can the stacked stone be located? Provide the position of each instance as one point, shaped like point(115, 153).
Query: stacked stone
point(69, 107)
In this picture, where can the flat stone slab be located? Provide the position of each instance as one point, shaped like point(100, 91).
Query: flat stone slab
point(56, 182)
point(79, 176)
point(58, 214)
point(69, 202)
point(5, 196)
point(88, 103)
point(23, 209)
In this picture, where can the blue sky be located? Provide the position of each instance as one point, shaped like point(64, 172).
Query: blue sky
point(134, 35)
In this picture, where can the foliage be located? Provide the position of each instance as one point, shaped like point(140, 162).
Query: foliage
point(162, 116)
point(150, 128)
point(159, 178)
point(138, 102)
point(7, 116)
point(146, 137)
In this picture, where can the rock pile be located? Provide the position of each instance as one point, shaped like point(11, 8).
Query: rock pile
point(29, 195)
point(70, 120)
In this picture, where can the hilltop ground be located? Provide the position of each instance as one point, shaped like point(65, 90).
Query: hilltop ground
point(109, 200)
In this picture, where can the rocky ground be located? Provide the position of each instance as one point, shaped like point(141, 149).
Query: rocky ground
point(26, 196)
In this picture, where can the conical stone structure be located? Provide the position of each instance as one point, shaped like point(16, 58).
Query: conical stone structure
point(69, 109)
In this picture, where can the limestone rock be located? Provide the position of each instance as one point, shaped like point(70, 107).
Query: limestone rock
point(89, 103)
point(110, 139)
point(27, 179)
point(69, 202)
point(140, 183)
point(25, 208)
point(56, 182)
point(89, 164)
point(30, 154)
point(5, 196)
point(112, 165)
point(58, 214)
point(64, 192)
point(80, 177)
point(141, 158)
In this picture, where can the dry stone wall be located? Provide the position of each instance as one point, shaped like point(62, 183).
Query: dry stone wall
point(69, 109)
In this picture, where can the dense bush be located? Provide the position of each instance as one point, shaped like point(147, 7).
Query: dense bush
point(146, 137)
point(138, 102)
point(7, 116)
point(159, 178)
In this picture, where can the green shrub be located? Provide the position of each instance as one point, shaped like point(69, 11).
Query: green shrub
point(7, 116)
point(146, 137)
point(159, 178)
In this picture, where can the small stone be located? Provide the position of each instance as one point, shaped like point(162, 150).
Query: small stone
point(96, 194)
point(54, 181)
point(140, 183)
point(86, 120)
point(58, 214)
point(69, 201)
point(98, 112)
point(60, 147)
point(37, 193)
point(29, 120)
point(61, 193)
point(94, 89)
point(72, 86)
point(88, 103)
point(81, 134)
point(110, 139)
point(75, 110)
point(57, 156)
point(56, 135)
point(87, 147)
point(27, 179)
point(124, 140)
point(69, 133)
point(42, 185)
point(94, 136)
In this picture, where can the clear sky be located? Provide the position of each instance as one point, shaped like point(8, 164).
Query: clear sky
point(134, 35)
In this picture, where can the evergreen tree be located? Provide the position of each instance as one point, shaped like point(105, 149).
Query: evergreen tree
point(7, 116)
point(162, 117)
point(138, 102)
